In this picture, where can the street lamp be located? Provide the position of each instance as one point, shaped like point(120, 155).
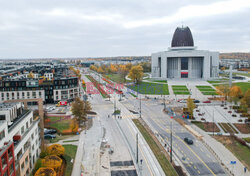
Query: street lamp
point(171, 145)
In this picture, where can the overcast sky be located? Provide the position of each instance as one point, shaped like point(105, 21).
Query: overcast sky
point(91, 28)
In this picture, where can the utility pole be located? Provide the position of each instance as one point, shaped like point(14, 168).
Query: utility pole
point(137, 158)
point(171, 146)
point(140, 105)
point(115, 104)
point(164, 103)
point(213, 121)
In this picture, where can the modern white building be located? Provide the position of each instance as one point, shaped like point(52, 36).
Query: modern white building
point(183, 60)
point(17, 125)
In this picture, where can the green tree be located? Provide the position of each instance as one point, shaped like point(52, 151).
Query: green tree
point(136, 73)
point(79, 110)
point(245, 101)
point(190, 106)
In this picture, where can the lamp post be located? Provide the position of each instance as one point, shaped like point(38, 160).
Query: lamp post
point(171, 139)
point(140, 105)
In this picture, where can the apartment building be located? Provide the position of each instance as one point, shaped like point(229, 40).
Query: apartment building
point(19, 130)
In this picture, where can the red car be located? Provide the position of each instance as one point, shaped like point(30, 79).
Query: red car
point(208, 101)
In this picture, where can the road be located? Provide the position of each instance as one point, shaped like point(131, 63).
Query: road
point(196, 159)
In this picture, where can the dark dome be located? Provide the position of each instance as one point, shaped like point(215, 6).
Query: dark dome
point(182, 37)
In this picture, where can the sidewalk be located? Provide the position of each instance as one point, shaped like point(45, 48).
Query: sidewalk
point(222, 154)
point(88, 155)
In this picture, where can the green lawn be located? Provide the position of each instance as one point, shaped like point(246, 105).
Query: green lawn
point(62, 125)
point(59, 137)
point(165, 164)
point(242, 74)
point(53, 119)
point(70, 152)
point(158, 81)
point(240, 151)
point(199, 124)
point(118, 78)
point(247, 139)
point(150, 88)
point(207, 90)
point(180, 90)
point(243, 85)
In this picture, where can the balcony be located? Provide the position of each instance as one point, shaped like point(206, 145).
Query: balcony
point(18, 120)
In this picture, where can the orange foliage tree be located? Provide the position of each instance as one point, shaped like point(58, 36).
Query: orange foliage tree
point(45, 171)
point(56, 149)
point(113, 68)
point(52, 161)
point(235, 94)
point(74, 126)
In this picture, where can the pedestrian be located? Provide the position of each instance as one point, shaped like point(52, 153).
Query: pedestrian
point(245, 169)
point(165, 145)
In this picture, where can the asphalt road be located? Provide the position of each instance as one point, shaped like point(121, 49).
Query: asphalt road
point(196, 158)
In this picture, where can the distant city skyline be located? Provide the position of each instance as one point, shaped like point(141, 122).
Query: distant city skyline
point(61, 29)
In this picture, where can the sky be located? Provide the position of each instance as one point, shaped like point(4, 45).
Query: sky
point(106, 28)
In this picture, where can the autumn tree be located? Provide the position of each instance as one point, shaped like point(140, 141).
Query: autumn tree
point(128, 66)
point(123, 70)
point(56, 149)
point(136, 73)
point(93, 67)
point(245, 101)
point(100, 70)
point(223, 90)
point(74, 125)
point(52, 161)
point(235, 94)
point(190, 106)
point(113, 68)
point(30, 75)
point(79, 109)
point(48, 171)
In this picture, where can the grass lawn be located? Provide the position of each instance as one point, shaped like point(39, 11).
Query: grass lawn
point(70, 152)
point(242, 74)
point(227, 128)
point(150, 88)
point(62, 125)
point(59, 137)
point(207, 90)
point(165, 164)
point(180, 90)
point(243, 85)
point(117, 78)
point(159, 81)
point(247, 139)
point(207, 126)
point(240, 151)
point(53, 119)
point(70, 141)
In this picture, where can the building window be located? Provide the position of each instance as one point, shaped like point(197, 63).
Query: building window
point(2, 135)
point(2, 117)
point(31, 120)
point(27, 125)
point(184, 63)
point(22, 130)
point(22, 165)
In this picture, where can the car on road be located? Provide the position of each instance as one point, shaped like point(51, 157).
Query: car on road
point(196, 101)
point(49, 131)
point(188, 141)
point(49, 136)
point(183, 101)
point(207, 101)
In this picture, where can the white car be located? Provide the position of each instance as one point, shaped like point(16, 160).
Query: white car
point(183, 101)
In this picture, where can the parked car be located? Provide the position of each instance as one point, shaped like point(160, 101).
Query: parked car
point(49, 131)
point(49, 136)
point(188, 141)
point(183, 101)
point(208, 101)
point(196, 101)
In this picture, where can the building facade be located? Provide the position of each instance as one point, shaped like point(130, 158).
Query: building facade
point(18, 128)
point(183, 60)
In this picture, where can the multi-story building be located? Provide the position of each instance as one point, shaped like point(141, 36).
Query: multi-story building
point(50, 90)
point(19, 134)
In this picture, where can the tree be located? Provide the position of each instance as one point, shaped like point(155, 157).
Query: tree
point(190, 106)
point(74, 126)
point(79, 109)
point(48, 171)
point(52, 161)
point(113, 68)
point(245, 101)
point(235, 94)
point(123, 70)
point(93, 67)
point(136, 73)
point(129, 66)
point(30, 75)
point(223, 90)
point(56, 149)
point(100, 70)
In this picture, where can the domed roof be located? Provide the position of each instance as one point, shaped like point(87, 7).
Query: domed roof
point(182, 37)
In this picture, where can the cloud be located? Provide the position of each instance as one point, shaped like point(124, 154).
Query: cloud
point(194, 11)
